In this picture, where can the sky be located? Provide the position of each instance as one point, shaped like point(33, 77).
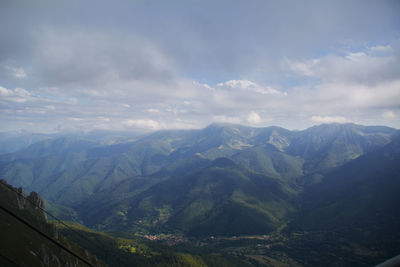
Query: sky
point(151, 65)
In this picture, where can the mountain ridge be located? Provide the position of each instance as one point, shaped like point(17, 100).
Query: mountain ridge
point(329, 188)
point(75, 172)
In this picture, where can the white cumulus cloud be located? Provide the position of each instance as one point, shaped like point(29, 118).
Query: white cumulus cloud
point(329, 119)
point(18, 95)
point(254, 118)
point(388, 114)
point(142, 124)
point(247, 85)
point(381, 48)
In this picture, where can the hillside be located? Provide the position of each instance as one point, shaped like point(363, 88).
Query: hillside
point(66, 170)
point(330, 190)
point(27, 239)
point(78, 173)
point(218, 198)
point(358, 204)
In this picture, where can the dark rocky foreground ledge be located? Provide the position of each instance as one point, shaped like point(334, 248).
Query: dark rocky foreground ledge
point(393, 262)
point(27, 239)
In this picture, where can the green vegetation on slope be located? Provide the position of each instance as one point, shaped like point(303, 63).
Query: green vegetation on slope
point(354, 212)
point(140, 252)
point(333, 185)
point(220, 198)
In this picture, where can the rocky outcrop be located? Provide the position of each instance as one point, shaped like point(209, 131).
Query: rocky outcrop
point(12, 196)
point(37, 202)
point(24, 231)
point(15, 198)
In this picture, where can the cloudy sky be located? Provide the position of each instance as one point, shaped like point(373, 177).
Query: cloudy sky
point(149, 65)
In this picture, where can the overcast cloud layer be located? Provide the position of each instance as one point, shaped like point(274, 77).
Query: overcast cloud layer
point(149, 65)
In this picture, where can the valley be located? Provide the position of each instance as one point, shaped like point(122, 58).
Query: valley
point(225, 194)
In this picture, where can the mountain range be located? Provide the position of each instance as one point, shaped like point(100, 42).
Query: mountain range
point(225, 180)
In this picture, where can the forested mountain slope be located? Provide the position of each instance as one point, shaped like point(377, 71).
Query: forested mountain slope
point(189, 180)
